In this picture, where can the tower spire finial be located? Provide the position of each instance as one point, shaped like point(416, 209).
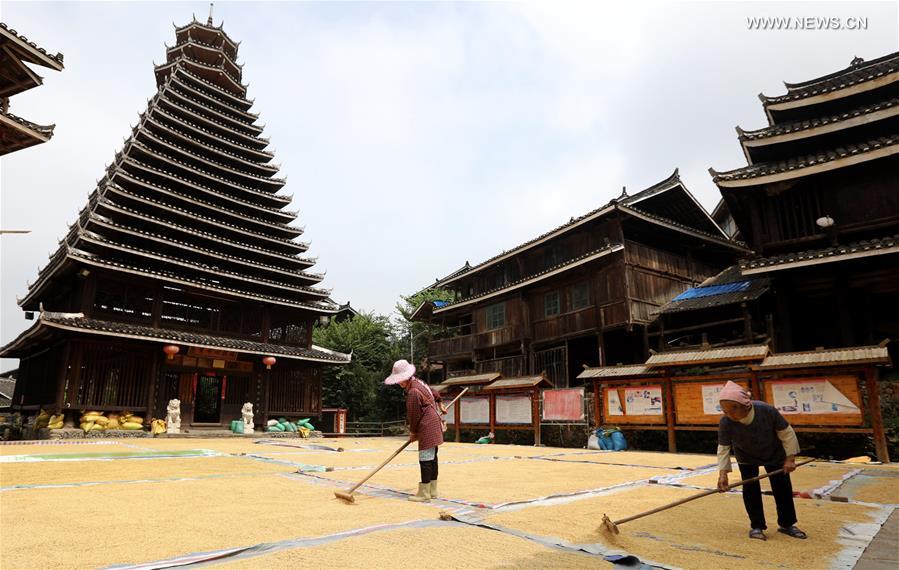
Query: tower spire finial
point(209, 20)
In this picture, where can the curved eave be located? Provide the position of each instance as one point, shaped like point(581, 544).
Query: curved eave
point(808, 129)
point(100, 241)
point(296, 247)
point(239, 105)
point(218, 31)
point(30, 50)
point(168, 241)
point(686, 230)
point(129, 161)
point(19, 78)
point(208, 176)
point(276, 183)
point(262, 154)
point(593, 256)
point(78, 324)
point(88, 259)
point(192, 44)
point(251, 130)
point(165, 69)
point(229, 133)
point(811, 96)
point(115, 188)
point(208, 148)
point(24, 132)
point(758, 175)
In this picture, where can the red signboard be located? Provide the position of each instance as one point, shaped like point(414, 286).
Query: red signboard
point(565, 404)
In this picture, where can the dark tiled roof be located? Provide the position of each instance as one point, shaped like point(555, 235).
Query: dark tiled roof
point(58, 57)
point(804, 125)
point(714, 292)
point(794, 164)
point(884, 245)
point(611, 248)
point(46, 130)
point(666, 184)
point(660, 219)
point(74, 321)
point(831, 357)
point(859, 71)
point(709, 356)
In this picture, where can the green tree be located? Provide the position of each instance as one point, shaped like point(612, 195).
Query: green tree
point(355, 386)
point(417, 334)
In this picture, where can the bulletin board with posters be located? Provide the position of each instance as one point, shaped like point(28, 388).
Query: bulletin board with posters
point(474, 410)
point(565, 404)
point(820, 400)
point(633, 404)
point(697, 402)
point(514, 410)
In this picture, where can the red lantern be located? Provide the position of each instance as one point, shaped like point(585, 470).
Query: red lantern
point(171, 350)
point(269, 361)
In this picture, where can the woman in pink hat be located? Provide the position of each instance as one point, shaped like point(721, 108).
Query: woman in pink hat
point(759, 436)
point(424, 424)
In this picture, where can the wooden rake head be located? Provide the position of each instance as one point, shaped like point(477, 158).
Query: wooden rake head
point(608, 525)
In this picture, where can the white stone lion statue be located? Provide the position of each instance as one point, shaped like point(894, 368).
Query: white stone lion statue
point(247, 413)
point(173, 416)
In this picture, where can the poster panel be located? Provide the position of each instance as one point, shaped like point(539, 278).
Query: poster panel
point(643, 401)
point(513, 410)
point(614, 403)
point(810, 397)
point(475, 410)
point(710, 404)
point(564, 404)
point(450, 417)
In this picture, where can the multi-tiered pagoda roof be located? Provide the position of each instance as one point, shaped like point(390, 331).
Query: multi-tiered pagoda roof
point(193, 199)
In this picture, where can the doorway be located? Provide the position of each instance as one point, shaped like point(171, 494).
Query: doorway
point(208, 408)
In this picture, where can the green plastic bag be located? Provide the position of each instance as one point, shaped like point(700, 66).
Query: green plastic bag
point(238, 426)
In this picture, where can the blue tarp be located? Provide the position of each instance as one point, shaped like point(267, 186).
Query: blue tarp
point(712, 290)
point(440, 304)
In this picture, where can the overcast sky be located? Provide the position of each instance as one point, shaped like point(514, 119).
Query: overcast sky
point(416, 136)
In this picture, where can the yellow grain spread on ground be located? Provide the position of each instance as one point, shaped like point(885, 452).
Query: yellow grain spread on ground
point(509, 479)
point(707, 533)
point(171, 519)
point(55, 448)
point(643, 458)
point(444, 547)
point(874, 489)
point(56, 472)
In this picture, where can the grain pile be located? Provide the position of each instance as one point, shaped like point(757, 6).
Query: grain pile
point(61, 472)
point(444, 547)
point(510, 479)
point(708, 533)
point(182, 517)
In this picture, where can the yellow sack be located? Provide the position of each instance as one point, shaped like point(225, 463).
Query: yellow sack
point(101, 420)
point(112, 424)
point(157, 426)
point(304, 432)
point(87, 426)
point(97, 427)
point(134, 419)
point(90, 418)
point(90, 413)
point(132, 426)
point(57, 425)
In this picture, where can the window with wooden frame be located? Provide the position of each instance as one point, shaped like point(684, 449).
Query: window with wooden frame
point(580, 296)
point(496, 316)
point(552, 304)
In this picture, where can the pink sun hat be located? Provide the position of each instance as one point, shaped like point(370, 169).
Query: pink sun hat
point(735, 393)
point(402, 370)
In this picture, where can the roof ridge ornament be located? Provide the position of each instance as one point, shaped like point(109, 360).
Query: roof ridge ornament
point(209, 20)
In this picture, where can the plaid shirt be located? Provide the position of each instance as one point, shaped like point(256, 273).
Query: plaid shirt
point(422, 415)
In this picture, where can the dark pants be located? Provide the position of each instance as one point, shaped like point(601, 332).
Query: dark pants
point(429, 468)
point(783, 496)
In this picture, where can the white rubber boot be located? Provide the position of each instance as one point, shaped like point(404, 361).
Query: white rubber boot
point(423, 493)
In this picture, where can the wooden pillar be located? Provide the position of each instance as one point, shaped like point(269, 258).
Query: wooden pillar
point(493, 412)
point(602, 349)
point(747, 324)
point(669, 412)
point(61, 376)
point(155, 371)
point(880, 440)
point(535, 399)
point(74, 375)
point(157, 306)
point(597, 404)
point(645, 342)
point(661, 346)
point(457, 412)
point(754, 385)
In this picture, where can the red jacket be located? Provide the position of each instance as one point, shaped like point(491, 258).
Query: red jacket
point(422, 415)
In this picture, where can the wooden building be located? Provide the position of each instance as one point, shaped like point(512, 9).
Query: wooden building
point(818, 204)
point(16, 51)
point(582, 293)
point(184, 246)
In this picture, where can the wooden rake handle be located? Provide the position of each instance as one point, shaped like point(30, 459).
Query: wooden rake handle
point(705, 494)
point(456, 399)
point(379, 467)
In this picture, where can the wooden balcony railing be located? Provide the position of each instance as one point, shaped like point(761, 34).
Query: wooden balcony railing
point(569, 323)
point(450, 346)
point(498, 337)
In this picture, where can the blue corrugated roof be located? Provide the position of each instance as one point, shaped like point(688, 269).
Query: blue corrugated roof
point(712, 290)
point(440, 304)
